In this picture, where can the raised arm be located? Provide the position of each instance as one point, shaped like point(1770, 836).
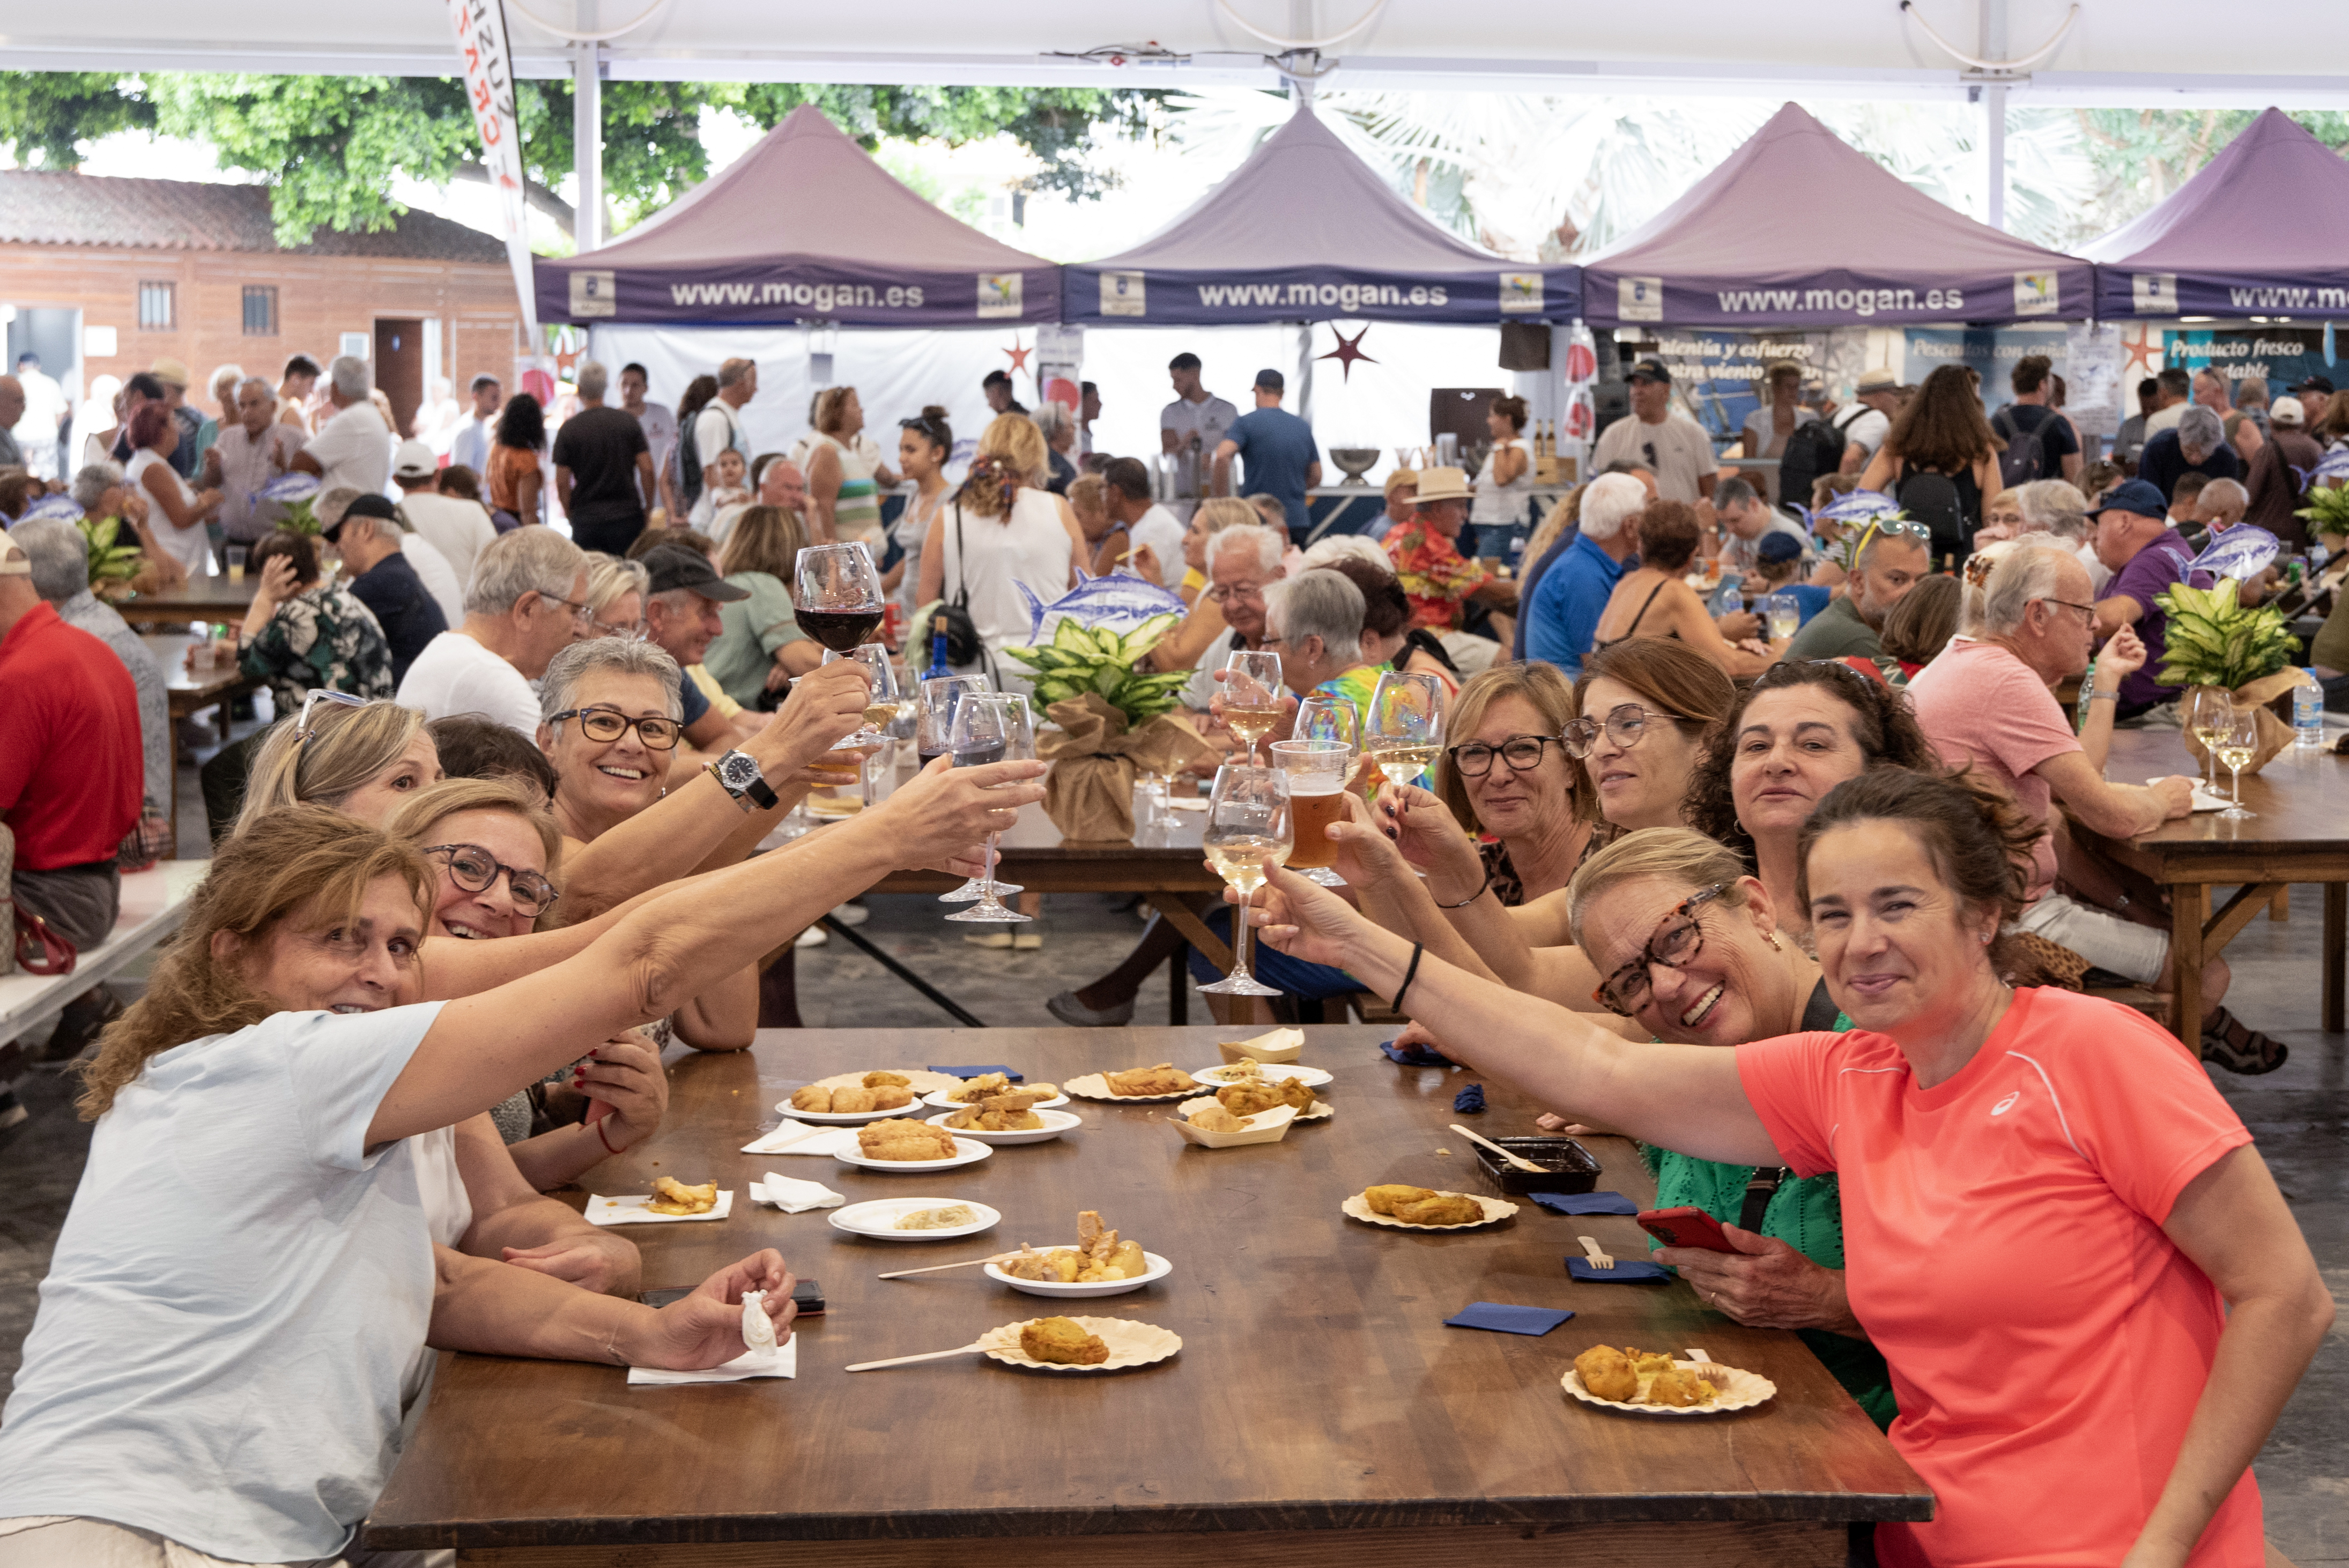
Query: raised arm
point(823, 494)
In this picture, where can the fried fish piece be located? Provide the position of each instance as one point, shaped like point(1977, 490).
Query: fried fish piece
point(887, 1080)
point(1250, 1096)
point(1441, 1209)
point(1296, 1092)
point(1647, 1361)
point(1129, 1261)
point(897, 1139)
point(812, 1097)
point(1382, 1200)
point(846, 1101)
point(1057, 1339)
point(1209, 1115)
point(1003, 1113)
point(973, 1091)
point(671, 1196)
point(1606, 1373)
point(1678, 1388)
point(1164, 1078)
point(891, 1097)
point(1042, 1091)
point(1246, 1068)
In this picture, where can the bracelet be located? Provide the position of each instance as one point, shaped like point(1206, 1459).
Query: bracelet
point(1409, 975)
point(2104, 696)
point(605, 1140)
point(1473, 897)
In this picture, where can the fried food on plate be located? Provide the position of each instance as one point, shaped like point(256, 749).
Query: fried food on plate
point(944, 1218)
point(1296, 1092)
point(891, 1097)
point(1250, 1096)
point(975, 1090)
point(1679, 1388)
point(1382, 1200)
point(1441, 1209)
point(897, 1139)
point(887, 1080)
point(1059, 1265)
point(1646, 1361)
point(812, 1096)
point(1210, 1117)
point(1097, 1258)
point(1164, 1078)
point(671, 1196)
point(1058, 1339)
point(1606, 1374)
point(998, 1113)
point(848, 1102)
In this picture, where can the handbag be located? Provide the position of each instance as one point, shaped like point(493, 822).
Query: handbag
point(953, 618)
point(39, 949)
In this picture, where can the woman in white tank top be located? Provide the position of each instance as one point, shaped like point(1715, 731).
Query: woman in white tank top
point(1001, 530)
point(177, 513)
point(1508, 476)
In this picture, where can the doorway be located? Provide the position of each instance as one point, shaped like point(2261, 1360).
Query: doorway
point(399, 366)
point(54, 333)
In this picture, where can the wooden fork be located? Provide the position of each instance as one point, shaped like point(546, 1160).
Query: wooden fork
point(1598, 1260)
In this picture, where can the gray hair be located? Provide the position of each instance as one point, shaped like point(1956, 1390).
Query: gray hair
point(1727, 492)
point(2055, 506)
point(60, 556)
point(2227, 495)
point(221, 373)
point(90, 485)
point(260, 381)
point(1052, 419)
point(1612, 501)
point(330, 505)
point(527, 561)
point(1324, 604)
point(349, 376)
point(1335, 547)
point(2029, 572)
point(2199, 431)
point(620, 655)
point(1268, 546)
point(592, 380)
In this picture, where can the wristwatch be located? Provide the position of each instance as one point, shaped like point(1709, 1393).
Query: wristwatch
point(741, 778)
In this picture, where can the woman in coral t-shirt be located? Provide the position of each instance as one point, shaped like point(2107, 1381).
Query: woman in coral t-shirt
point(2093, 1299)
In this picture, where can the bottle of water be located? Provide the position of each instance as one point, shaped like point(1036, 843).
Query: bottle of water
point(2088, 686)
point(1726, 599)
point(2307, 717)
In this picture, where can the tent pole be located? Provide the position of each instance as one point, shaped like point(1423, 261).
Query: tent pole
point(1304, 409)
point(587, 133)
point(1993, 47)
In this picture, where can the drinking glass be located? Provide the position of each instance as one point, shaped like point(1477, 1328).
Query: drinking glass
point(2239, 742)
point(1251, 696)
point(1248, 824)
point(1317, 773)
point(1322, 716)
point(2207, 711)
point(1404, 731)
point(932, 736)
point(1786, 616)
point(990, 726)
point(881, 702)
point(839, 597)
point(238, 554)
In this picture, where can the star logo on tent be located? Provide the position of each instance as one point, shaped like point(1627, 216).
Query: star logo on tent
point(1018, 355)
point(1349, 350)
point(2145, 353)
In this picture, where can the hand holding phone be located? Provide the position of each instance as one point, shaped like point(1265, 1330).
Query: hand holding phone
point(1685, 1227)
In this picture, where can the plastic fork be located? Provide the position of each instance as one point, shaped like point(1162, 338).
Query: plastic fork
point(1598, 1260)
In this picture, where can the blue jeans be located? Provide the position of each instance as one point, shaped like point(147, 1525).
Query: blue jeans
point(1315, 982)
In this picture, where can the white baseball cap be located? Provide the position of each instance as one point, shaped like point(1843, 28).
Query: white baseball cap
point(414, 461)
point(2287, 411)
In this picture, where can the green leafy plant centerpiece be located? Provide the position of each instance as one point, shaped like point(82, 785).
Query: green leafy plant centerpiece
point(1111, 722)
point(2214, 639)
point(2327, 512)
point(1082, 659)
point(112, 564)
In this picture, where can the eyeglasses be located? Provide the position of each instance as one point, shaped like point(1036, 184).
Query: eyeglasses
point(476, 870)
point(1678, 940)
point(317, 695)
point(632, 631)
point(1626, 725)
point(1523, 753)
point(583, 614)
point(604, 724)
point(1222, 592)
point(2087, 609)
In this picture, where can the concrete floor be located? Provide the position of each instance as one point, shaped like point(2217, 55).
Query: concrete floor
point(2300, 1117)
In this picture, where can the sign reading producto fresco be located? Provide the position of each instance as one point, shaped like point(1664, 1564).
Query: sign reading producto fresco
point(2283, 356)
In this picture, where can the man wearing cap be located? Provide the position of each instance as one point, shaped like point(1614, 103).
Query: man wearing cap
point(432, 568)
point(1282, 460)
point(1192, 426)
point(256, 448)
point(681, 615)
point(1402, 504)
point(367, 536)
point(2279, 473)
point(1671, 445)
point(2147, 557)
point(191, 421)
point(457, 528)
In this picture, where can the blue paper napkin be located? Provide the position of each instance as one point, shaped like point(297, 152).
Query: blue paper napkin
point(1585, 1202)
point(1470, 1102)
point(1625, 1272)
point(1413, 1055)
point(972, 1072)
point(1492, 1314)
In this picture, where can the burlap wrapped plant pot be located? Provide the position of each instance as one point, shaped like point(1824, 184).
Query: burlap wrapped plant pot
point(2262, 696)
point(1095, 760)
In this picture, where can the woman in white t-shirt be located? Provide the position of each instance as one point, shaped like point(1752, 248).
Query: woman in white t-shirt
point(179, 513)
point(1003, 531)
point(1507, 477)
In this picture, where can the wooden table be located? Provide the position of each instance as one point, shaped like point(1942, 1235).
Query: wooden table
point(2301, 834)
point(154, 902)
point(1318, 1413)
point(186, 694)
point(199, 599)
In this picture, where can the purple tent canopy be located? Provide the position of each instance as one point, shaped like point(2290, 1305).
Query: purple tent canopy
point(1262, 247)
point(1797, 229)
point(805, 226)
point(2263, 228)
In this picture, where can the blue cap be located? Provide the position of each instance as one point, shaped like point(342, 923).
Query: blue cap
point(2138, 496)
point(1776, 547)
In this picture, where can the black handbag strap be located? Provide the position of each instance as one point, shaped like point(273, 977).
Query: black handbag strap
point(962, 563)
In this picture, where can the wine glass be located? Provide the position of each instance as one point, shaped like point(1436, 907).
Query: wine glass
point(1317, 773)
point(1322, 716)
point(1251, 696)
point(990, 726)
point(2207, 710)
point(839, 598)
point(1248, 824)
point(1404, 731)
point(932, 735)
point(881, 702)
point(2239, 742)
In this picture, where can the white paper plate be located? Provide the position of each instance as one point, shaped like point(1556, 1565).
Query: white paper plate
point(921, 1081)
point(1094, 1086)
point(966, 1153)
point(1224, 1073)
point(629, 1210)
point(878, 1218)
point(1129, 1343)
point(1159, 1269)
point(1055, 1122)
point(1495, 1209)
point(943, 1101)
point(1746, 1390)
point(842, 1119)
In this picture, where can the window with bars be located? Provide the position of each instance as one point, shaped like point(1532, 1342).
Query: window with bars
point(157, 307)
point(260, 310)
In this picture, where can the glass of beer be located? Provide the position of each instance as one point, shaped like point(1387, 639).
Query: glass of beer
point(1317, 773)
point(1248, 824)
point(1251, 696)
point(238, 554)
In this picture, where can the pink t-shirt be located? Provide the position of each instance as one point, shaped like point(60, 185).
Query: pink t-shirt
point(2002, 1233)
point(1978, 701)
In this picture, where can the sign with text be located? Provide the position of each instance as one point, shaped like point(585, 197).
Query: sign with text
point(482, 46)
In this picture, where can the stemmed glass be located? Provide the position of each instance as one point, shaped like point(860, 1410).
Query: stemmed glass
point(2239, 742)
point(1404, 731)
point(2209, 709)
point(839, 598)
point(1248, 824)
point(933, 738)
point(881, 702)
point(1317, 773)
point(990, 726)
point(1322, 716)
point(1251, 696)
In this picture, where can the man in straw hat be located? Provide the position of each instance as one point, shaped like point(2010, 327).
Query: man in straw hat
point(1437, 579)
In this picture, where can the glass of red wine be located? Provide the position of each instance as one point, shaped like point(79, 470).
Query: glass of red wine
point(839, 597)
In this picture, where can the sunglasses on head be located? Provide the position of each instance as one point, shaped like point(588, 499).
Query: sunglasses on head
point(317, 695)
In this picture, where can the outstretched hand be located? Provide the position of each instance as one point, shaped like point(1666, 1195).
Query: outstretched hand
point(1765, 1283)
point(1297, 916)
point(942, 813)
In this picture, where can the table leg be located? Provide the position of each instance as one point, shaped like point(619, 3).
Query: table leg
point(2189, 906)
point(1183, 918)
point(1179, 986)
point(2279, 911)
point(2336, 939)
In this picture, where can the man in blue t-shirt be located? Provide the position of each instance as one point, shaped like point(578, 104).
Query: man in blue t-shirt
point(1282, 460)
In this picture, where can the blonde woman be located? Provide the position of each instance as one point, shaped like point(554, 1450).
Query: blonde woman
point(1002, 531)
point(615, 595)
point(762, 647)
point(844, 474)
point(360, 757)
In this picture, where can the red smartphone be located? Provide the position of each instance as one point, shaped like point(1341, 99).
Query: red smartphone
point(1685, 1228)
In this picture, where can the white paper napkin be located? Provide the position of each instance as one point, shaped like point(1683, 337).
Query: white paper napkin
point(784, 1361)
point(798, 1138)
point(793, 1196)
point(2204, 799)
point(631, 1211)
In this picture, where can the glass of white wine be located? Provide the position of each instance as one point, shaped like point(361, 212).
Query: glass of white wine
point(1251, 696)
point(2239, 742)
point(1248, 824)
point(990, 726)
point(881, 702)
point(1404, 731)
point(931, 737)
point(2207, 710)
point(1322, 716)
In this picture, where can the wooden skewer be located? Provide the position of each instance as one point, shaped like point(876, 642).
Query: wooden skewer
point(902, 1360)
point(966, 1263)
point(1519, 1160)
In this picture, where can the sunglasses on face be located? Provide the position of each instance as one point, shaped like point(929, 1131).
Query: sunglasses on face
point(1626, 725)
point(476, 870)
point(1523, 753)
point(1677, 942)
point(604, 724)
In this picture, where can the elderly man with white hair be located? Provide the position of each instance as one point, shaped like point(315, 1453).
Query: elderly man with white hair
point(2198, 446)
point(527, 601)
point(250, 451)
point(1241, 560)
point(1989, 702)
point(354, 447)
point(2058, 506)
point(1572, 594)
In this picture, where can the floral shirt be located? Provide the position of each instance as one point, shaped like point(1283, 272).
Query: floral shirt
point(1434, 575)
point(324, 637)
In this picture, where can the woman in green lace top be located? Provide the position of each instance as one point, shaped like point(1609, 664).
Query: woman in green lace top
point(1693, 953)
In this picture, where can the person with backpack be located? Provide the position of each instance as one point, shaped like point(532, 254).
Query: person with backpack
point(1940, 461)
point(1771, 428)
point(2039, 444)
point(716, 427)
point(1818, 445)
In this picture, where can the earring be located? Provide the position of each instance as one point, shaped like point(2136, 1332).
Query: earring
point(1772, 938)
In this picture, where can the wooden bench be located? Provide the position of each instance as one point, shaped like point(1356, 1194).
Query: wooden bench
point(154, 902)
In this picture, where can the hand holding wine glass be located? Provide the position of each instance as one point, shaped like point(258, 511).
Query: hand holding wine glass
point(1404, 731)
point(988, 728)
point(839, 598)
point(1248, 827)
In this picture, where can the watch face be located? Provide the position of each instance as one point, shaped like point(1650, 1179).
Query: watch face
point(737, 772)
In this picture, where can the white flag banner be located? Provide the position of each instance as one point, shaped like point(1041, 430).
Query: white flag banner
point(490, 91)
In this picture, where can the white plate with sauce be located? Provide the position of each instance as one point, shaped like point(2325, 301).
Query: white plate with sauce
point(878, 1219)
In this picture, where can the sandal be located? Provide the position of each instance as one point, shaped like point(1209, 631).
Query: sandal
point(2229, 1043)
